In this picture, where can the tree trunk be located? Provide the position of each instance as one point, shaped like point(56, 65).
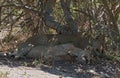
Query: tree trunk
point(69, 28)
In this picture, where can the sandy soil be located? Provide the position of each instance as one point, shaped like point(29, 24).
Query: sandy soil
point(33, 69)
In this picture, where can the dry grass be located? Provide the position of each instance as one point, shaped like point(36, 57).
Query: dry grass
point(8, 45)
point(4, 74)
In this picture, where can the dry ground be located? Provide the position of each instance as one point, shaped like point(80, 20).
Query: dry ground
point(29, 68)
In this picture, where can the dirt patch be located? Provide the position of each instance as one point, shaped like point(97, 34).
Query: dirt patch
point(30, 68)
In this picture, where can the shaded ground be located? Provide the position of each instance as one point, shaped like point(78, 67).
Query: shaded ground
point(33, 69)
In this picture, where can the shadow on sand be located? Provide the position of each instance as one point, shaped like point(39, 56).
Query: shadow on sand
point(65, 69)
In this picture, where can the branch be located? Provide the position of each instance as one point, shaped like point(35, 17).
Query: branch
point(50, 21)
point(26, 8)
point(68, 15)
